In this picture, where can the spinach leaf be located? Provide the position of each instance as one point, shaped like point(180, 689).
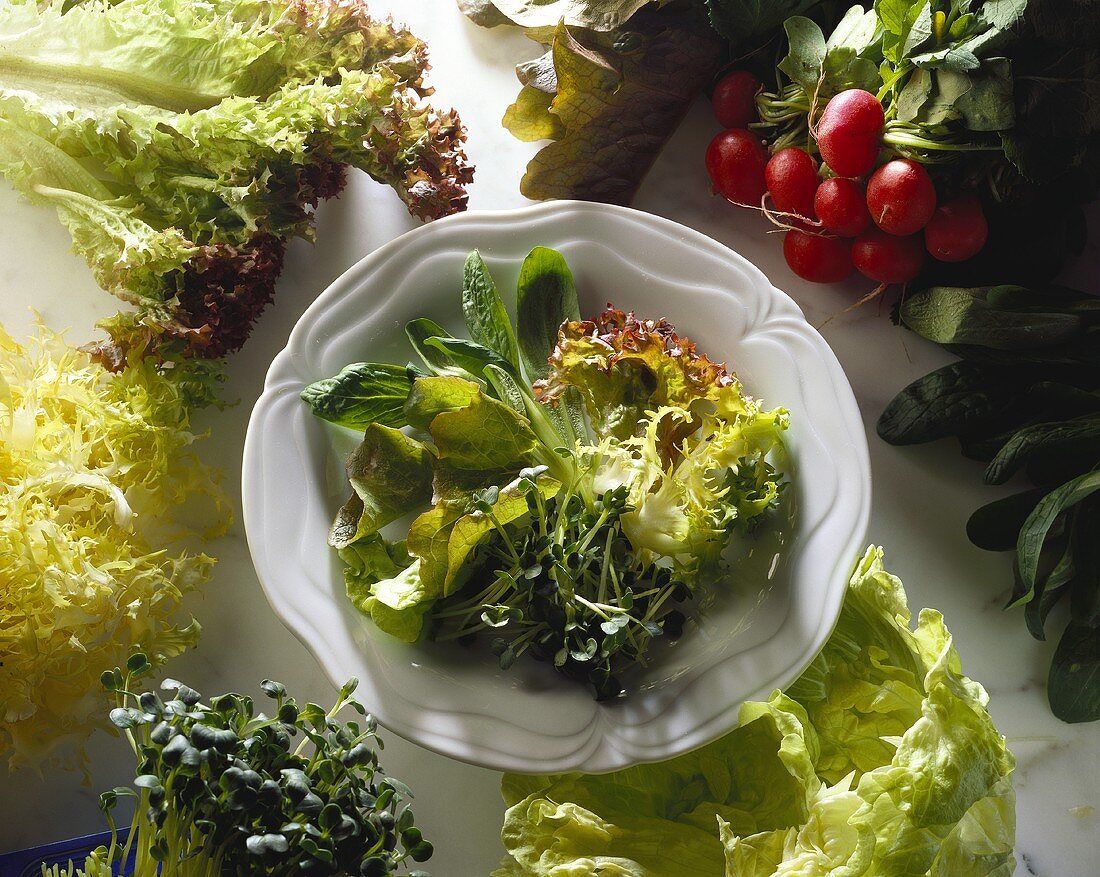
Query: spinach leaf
point(467, 355)
point(546, 297)
point(1034, 532)
point(953, 399)
point(1050, 438)
point(419, 331)
point(484, 311)
point(1037, 610)
point(996, 525)
point(954, 315)
point(1084, 603)
point(1073, 686)
point(363, 393)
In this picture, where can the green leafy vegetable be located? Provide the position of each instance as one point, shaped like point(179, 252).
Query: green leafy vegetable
point(484, 311)
point(570, 546)
point(222, 789)
point(588, 95)
point(182, 144)
point(1026, 397)
point(362, 393)
point(880, 759)
point(96, 482)
point(546, 297)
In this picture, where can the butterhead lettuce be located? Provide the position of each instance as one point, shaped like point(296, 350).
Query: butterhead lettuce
point(881, 760)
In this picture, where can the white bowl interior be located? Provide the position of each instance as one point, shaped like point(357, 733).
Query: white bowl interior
point(758, 637)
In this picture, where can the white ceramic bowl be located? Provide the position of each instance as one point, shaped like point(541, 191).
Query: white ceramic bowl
point(458, 702)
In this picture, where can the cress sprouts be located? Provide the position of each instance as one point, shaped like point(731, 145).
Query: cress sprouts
point(224, 789)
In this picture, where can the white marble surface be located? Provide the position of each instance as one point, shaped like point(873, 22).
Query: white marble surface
point(922, 496)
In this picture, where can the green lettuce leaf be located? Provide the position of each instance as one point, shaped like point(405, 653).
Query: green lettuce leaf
point(383, 582)
point(183, 143)
point(880, 761)
point(592, 104)
point(391, 475)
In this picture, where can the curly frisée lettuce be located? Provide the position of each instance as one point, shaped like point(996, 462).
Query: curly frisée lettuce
point(183, 143)
point(880, 761)
point(577, 482)
point(92, 467)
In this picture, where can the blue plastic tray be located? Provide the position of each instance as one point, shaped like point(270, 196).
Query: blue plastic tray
point(28, 863)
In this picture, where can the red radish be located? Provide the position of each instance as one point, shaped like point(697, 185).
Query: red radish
point(957, 230)
point(734, 99)
point(791, 177)
point(901, 197)
point(816, 257)
point(888, 258)
point(848, 132)
point(841, 206)
point(735, 162)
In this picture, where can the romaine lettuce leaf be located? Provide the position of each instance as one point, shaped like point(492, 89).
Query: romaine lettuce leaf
point(183, 143)
point(880, 761)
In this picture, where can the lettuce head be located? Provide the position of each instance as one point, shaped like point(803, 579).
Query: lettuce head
point(881, 760)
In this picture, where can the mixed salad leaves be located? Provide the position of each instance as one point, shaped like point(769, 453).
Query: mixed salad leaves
point(183, 144)
point(881, 759)
point(582, 478)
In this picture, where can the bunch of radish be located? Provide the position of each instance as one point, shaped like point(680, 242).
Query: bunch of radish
point(846, 215)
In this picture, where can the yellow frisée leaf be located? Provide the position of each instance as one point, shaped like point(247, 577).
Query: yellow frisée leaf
point(94, 468)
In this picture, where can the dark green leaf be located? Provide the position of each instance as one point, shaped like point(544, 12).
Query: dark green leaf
point(363, 393)
point(1049, 438)
point(421, 330)
point(744, 22)
point(996, 526)
point(951, 400)
point(1073, 686)
point(468, 355)
point(1037, 610)
point(1085, 593)
point(486, 318)
point(546, 298)
point(1039, 523)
